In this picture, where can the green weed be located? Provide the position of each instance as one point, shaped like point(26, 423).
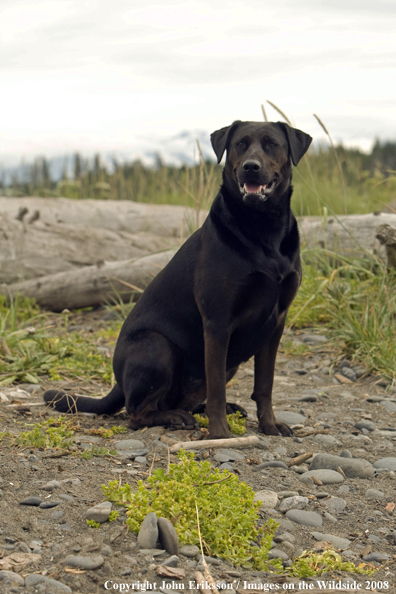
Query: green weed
point(312, 564)
point(95, 451)
point(229, 519)
point(51, 433)
point(236, 422)
point(93, 524)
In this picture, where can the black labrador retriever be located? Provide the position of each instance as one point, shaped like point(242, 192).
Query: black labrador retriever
point(222, 298)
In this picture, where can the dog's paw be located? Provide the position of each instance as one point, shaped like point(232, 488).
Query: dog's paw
point(276, 429)
point(232, 408)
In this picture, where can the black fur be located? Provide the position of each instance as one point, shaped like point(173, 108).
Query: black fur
point(222, 299)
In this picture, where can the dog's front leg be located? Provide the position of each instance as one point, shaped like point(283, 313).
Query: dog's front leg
point(216, 346)
point(264, 367)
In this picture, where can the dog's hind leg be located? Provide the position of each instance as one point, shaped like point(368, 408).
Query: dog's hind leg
point(67, 403)
point(152, 378)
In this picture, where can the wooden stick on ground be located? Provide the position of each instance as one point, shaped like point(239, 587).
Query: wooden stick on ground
point(232, 442)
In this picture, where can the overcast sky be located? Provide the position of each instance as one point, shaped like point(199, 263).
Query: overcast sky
point(100, 75)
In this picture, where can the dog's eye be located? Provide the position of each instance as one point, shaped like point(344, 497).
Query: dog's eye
point(241, 144)
point(272, 145)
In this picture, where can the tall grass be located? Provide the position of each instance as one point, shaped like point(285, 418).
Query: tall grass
point(340, 179)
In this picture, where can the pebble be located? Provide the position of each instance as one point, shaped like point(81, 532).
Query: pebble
point(83, 562)
point(129, 444)
point(269, 499)
point(283, 494)
point(330, 517)
point(306, 518)
point(386, 463)
point(49, 504)
point(327, 477)
point(335, 505)
point(209, 560)
point(390, 406)
point(106, 550)
point(369, 425)
point(336, 541)
point(13, 577)
point(290, 418)
point(100, 512)
point(51, 486)
point(232, 456)
point(297, 502)
point(374, 494)
point(327, 440)
point(349, 373)
point(278, 554)
point(346, 454)
point(168, 536)
point(50, 584)
point(189, 550)
point(148, 533)
point(35, 501)
point(273, 464)
point(376, 557)
point(352, 467)
point(171, 561)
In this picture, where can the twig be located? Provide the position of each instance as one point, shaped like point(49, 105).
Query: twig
point(313, 432)
point(59, 454)
point(216, 443)
point(213, 482)
point(198, 575)
point(151, 467)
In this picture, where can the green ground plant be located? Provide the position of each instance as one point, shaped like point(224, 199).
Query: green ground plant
point(55, 432)
point(315, 564)
point(236, 422)
point(229, 519)
point(354, 302)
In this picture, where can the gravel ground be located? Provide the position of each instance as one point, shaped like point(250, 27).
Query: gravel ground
point(352, 425)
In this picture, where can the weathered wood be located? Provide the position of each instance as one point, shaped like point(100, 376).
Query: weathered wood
point(91, 285)
point(115, 215)
point(32, 250)
point(232, 442)
point(386, 235)
point(348, 235)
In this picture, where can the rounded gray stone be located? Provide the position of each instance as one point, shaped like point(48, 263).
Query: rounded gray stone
point(269, 499)
point(335, 505)
point(369, 425)
point(14, 578)
point(376, 557)
point(100, 512)
point(330, 517)
point(189, 550)
point(51, 585)
point(171, 561)
point(327, 477)
point(83, 562)
point(352, 467)
point(336, 541)
point(129, 444)
point(35, 501)
point(327, 440)
point(387, 463)
point(232, 455)
point(296, 502)
point(346, 454)
point(278, 554)
point(148, 533)
point(374, 494)
point(290, 418)
point(306, 518)
point(168, 536)
point(222, 458)
point(274, 464)
point(390, 406)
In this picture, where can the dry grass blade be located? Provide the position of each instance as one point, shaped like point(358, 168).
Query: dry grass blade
point(336, 156)
point(207, 576)
point(284, 116)
point(264, 112)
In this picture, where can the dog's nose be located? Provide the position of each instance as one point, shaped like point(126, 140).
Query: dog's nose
point(250, 166)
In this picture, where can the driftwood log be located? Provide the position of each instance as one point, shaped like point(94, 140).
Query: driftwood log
point(78, 253)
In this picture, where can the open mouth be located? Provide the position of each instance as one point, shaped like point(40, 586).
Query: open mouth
point(262, 191)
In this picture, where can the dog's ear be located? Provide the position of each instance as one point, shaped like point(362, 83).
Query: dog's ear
point(221, 138)
point(298, 142)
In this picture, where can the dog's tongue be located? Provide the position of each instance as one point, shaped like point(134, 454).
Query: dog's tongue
point(252, 188)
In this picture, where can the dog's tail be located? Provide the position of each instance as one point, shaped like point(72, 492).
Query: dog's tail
point(67, 403)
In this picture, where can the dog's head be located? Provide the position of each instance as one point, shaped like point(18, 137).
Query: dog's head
point(259, 157)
